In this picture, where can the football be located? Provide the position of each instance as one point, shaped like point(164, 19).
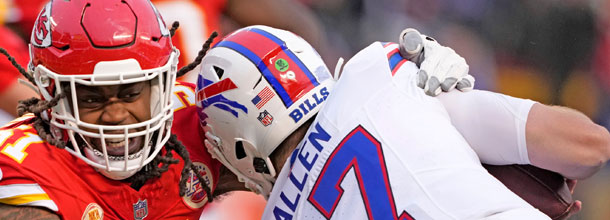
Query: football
point(546, 190)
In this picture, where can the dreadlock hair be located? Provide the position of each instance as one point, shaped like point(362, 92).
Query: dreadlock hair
point(153, 169)
point(197, 61)
point(161, 164)
point(175, 26)
point(35, 105)
point(16, 65)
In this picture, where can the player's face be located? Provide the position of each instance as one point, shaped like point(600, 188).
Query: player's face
point(115, 105)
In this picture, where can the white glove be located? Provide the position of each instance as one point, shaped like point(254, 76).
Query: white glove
point(440, 67)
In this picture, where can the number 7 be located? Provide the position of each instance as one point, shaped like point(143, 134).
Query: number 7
point(362, 152)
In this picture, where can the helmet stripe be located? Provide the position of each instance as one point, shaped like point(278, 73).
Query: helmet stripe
point(289, 53)
point(285, 72)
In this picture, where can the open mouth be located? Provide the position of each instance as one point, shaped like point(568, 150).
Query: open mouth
point(118, 158)
point(115, 147)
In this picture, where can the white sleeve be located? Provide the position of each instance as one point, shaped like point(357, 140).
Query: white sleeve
point(493, 124)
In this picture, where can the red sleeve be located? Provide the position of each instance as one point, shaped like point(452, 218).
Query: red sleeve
point(17, 186)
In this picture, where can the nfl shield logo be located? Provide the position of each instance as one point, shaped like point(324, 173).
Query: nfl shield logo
point(265, 118)
point(140, 209)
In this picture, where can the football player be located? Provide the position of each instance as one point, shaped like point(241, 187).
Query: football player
point(373, 145)
point(106, 72)
point(99, 143)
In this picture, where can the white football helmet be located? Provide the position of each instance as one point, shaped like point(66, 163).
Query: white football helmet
point(73, 45)
point(257, 86)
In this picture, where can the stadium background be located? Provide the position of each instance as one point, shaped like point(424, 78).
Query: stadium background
point(551, 51)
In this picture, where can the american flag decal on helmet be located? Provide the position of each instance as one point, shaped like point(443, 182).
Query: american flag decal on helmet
point(211, 95)
point(263, 97)
point(290, 78)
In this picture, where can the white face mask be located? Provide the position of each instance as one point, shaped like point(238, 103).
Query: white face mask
point(104, 145)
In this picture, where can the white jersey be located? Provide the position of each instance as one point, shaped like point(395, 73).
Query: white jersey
point(382, 149)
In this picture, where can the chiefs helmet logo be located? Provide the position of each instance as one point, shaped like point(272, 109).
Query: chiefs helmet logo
point(41, 36)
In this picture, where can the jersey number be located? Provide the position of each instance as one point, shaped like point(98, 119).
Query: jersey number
point(183, 97)
point(16, 150)
point(362, 152)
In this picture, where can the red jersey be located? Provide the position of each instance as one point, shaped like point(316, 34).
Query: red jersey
point(34, 173)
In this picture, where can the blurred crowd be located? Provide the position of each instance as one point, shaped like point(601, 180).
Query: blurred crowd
point(547, 50)
point(551, 51)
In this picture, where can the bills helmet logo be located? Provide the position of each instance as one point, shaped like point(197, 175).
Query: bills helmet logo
point(41, 35)
point(210, 95)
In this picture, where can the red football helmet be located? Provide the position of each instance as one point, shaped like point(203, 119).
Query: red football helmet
point(101, 43)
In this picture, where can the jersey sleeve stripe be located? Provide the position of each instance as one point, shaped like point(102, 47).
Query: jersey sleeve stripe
point(41, 200)
point(22, 199)
point(14, 190)
point(17, 120)
point(26, 195)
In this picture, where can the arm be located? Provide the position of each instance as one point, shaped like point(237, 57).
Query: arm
point(507, 130)
point(13, 94)
point(25, 212)
point(566, 141)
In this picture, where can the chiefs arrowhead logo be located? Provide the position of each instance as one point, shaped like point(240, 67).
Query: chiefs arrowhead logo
point(41, 35)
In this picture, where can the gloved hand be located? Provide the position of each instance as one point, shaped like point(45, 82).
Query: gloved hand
point(441, 68)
